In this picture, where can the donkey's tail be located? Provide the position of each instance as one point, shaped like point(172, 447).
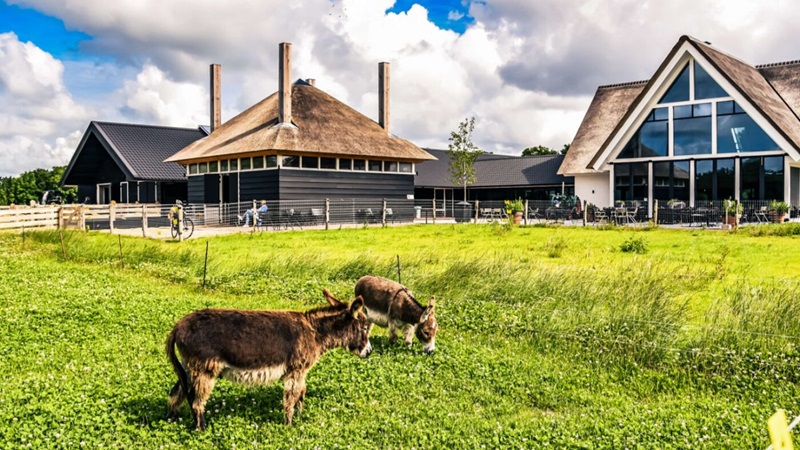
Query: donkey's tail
point(183, 378)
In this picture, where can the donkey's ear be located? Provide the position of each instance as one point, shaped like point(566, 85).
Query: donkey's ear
point(426, 314)
point(432, 303)
point(330, 298)
point(356, 306)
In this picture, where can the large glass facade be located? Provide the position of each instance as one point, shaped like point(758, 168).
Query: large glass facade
point(692, 129)
point(737, 132)
point(671, 180)
point(714, 179)
point(630, 181)
point(762, 178)
point(652, 137)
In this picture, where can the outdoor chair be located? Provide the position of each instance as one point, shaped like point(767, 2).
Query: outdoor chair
point(389, 215)
point(317, 216)
point(630, 215)
point(761, 215)
point(533, 214)
point(600, 215)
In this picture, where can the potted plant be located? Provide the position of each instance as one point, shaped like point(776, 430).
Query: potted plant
point(590, 209)
point(515, 209)
point(733, 210)
point(778, 211)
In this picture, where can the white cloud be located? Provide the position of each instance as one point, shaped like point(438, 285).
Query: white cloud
point(526, 70)
point(455, 15)
point(39, 120)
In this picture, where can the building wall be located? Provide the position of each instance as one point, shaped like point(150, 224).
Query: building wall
point(302, 184)
point(593, 188)
point(259, 185)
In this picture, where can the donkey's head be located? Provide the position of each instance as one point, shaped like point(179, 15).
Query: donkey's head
point(427, 327)
point(353, 326)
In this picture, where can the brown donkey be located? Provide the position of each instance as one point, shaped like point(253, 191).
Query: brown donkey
point(391, 304)
point(259, 347)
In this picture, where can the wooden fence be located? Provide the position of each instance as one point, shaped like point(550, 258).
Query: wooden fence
point(75, 216)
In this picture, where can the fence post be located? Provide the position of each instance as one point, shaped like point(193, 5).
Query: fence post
point(525, 215)
point(433, 210)
point(655, 212)
point(144, 221)
point(585, 213)
point(735, 214)
point(477, 204)
point(327, 212)
point(60, 217)
point(180, 223)
point(111, 217)
point(383, 213)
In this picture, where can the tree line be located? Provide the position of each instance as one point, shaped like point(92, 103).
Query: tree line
point(31, 185)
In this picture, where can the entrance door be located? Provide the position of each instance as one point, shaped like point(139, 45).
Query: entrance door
point(444, 202)
point(103, 193)
point(123, 192)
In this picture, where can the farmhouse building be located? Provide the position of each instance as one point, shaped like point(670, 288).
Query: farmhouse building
point(300, 143)
point(124, 163)
point(498, 177)
point(706, 127)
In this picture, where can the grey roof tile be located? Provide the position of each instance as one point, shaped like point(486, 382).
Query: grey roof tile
point(145, 147)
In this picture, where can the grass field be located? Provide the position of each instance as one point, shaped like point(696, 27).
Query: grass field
point(550, 338)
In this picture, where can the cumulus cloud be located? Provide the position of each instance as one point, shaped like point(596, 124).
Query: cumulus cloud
point(526, 70)
point(39, 119)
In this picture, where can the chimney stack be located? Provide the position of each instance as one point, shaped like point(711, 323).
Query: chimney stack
point(284, 83)
point(311, 81)
point(383, 95)
point(216, 96)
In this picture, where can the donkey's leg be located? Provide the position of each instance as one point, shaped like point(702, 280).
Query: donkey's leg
point(392, 331)
point(301, 400)
point(293, 390)
point(408, 333)
point(203, 384)
point(176, 399)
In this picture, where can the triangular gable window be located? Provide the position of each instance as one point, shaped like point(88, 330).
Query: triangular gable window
point(679, 91)
point(705, 86)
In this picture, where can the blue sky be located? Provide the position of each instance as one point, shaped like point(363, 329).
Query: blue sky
point(48, 33)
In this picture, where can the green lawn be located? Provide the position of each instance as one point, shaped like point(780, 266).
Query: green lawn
point(550, 338)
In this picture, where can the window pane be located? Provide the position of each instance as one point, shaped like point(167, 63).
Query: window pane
point(650, 140)
point(192, 169)
point(705, 86)
point(212, 167)
point(661, 113)
point(751, 169)
point(375, 166)
point(773, 178)
point(245, 162)
point(310, 162)
point(223, 165)
point(405, 167)
point(630, 181)
point(692, 136)
point(390, 166)
point(679, 91)
point(704, 180)
point(345, 164)
point(680, 181)
point(726, 179)
point(327, 163)
point(739, 133)
point(724, 108)
point(359, 164)
point(661, 180)
point(258, 162)
point(272, 161)
point(701, 110)
point(234, 164)
point(203, 167)
point(682, 112)
point(290, 161)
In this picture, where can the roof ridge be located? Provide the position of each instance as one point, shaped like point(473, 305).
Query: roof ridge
point(778, 64)
point(628, 83)
point(141, 125)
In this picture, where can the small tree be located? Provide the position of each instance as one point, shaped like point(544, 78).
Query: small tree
point(463, 153)
point(538, 150)
point(565, 149)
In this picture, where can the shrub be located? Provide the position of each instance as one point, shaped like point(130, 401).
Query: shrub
point(634, 244)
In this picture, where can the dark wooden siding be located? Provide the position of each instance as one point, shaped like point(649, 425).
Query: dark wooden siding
point(312, 184)
point(196, 189)
point(258, 185)
point(211, 188)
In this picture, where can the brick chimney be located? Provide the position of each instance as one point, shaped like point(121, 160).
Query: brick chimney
point(216, 96)
point(383, 95)
point(284, 83)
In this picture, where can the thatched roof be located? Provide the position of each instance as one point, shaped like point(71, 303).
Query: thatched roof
point(774, 89)
point(321, 125)
point(606, 110)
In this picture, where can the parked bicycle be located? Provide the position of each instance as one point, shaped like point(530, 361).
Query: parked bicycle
point(177, 217)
